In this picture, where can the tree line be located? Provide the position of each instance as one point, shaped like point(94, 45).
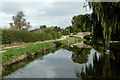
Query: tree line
point(19, 31)
point(103, 22)
point(80, 23)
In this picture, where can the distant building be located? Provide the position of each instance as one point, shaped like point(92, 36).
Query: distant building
point(42, 28)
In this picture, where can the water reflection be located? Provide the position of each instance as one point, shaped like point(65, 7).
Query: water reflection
point(106, 66)
point(9, 70)
point(79, 55)
point(71, 62)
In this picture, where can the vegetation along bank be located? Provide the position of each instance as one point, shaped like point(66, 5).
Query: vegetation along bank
point(14, 55)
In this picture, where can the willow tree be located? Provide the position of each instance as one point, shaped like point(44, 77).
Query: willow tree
point(108, 16)
point(20, 21)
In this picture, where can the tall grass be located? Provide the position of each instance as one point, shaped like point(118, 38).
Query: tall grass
point(11, 36)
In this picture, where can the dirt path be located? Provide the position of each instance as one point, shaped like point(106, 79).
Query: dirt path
point(25, 45)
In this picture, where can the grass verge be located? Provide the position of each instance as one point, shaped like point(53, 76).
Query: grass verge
point(17, 54)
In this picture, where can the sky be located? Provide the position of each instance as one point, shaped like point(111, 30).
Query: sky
point(42, 12)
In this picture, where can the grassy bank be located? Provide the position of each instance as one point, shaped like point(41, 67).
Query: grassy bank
point(16, 54)
point(23, 63)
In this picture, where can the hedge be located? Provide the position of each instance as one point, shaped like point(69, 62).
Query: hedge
point(11, 36)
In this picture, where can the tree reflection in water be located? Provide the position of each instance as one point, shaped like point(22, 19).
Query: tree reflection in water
point(79, 55)
point(106, 66)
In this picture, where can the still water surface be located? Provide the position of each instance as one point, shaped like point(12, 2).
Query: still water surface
point(71, 63)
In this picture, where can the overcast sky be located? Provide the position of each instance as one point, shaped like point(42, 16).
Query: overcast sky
point(43, 12)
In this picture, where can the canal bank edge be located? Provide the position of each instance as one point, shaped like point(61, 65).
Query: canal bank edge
point(10, 57)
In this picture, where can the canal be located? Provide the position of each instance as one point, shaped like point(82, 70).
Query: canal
point(69, 62)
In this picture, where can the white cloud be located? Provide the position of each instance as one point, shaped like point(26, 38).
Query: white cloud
point(44, 12)
point(5, 19)
point(47, 1)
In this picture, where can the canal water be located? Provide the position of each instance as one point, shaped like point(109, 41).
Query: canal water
point(69, 62)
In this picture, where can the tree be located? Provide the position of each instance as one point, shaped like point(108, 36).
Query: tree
point(57, 29)
point(19, 21)
point(43, 26)
point(80, 23)
point(48, 30)
point(106, 19)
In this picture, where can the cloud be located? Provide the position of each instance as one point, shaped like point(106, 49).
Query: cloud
point(48, 12)
point(5, 19)
point(47, 1)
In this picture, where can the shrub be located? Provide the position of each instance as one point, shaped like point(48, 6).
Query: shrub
point(6, 37)
point(11, 36)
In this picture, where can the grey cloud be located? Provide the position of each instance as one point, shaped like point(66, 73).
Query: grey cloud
point(57, 9)
point(10, 7)
point(14, 7)
point(62, 9)
point(57, 13)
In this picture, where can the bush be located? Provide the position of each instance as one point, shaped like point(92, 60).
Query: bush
point(6, 37)
point(11, 36)
point(59, 35)
point(74, 33)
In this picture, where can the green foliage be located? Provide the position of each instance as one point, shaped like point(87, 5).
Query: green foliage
point(65, 32)
point(10, 54)
point(79, 55)
point(105, 20)
point(5, 37)
point(80, 23)
point(48, 30)
point(56, 29)
point(43, 26)
point(53, 34)
point(74, 33)
point(19, 22)
point(11, 36)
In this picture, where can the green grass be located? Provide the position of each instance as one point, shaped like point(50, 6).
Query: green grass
point(14, 47)
point(7, 56)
